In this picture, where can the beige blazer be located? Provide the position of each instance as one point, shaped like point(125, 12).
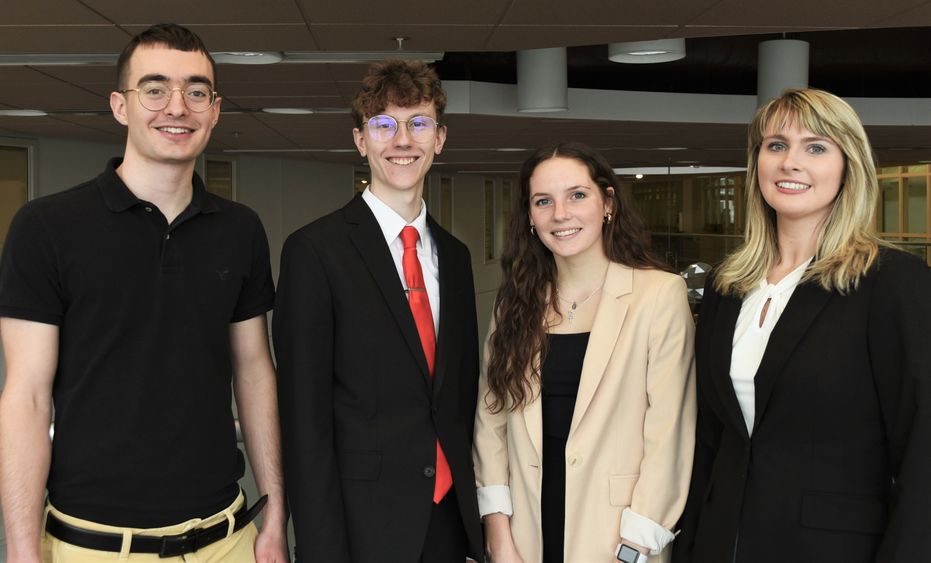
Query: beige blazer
point(632, 435)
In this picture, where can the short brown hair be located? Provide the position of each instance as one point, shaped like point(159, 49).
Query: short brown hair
point(403, 83)
point(170, 35)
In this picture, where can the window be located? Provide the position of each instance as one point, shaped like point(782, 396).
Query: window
point(489, 220)
point(445, 203)
point(220, 178)
point(503, 215)
point(904, 208)
point(14, 184)
point(360, 180)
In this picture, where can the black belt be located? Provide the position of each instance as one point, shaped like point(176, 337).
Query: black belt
point(164, 546)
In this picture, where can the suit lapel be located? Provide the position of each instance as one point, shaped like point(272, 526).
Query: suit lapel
point(722, 347)
point(370, 242)
point(803, 307)
point(601, 343)
point(533, 419)
point(448, 332)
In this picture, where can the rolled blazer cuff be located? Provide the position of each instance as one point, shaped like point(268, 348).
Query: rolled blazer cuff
point(643, 531)
point(494, 498)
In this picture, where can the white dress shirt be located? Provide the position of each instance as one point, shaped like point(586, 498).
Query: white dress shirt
point(750, 339)
point(391, 225)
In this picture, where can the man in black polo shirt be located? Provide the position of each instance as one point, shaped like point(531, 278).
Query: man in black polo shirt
point(132, 301)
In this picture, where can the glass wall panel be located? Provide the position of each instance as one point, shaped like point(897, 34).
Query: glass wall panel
point(218, 176)
point(446, 203)
point(889, 205)
point(14, 184)
point(489, 220)
point(916, 204)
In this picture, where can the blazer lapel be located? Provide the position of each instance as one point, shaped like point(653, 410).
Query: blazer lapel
point(370, 242)
point(722, 347)
point(605, 330)
point(803, 307)
point(533, 419)
point(448, 333)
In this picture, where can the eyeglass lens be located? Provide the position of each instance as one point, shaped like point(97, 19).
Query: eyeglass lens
point(156, 96)
point(384, 127)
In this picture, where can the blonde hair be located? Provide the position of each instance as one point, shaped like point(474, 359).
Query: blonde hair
point(847, 244)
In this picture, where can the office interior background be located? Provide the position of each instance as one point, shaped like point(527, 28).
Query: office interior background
point(517, 72)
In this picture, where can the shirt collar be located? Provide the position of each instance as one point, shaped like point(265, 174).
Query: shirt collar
point(391, 223)
point(119, 198)
point(789, 281)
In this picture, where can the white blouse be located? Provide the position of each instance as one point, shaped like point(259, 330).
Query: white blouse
point(750, 338)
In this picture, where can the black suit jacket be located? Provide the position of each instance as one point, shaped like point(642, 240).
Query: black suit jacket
point(838, 468)
point(359, 413)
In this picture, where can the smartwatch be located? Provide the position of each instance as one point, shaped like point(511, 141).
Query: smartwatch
point(627, 554)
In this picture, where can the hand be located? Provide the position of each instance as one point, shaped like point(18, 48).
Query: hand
point(499, 543)
point(505, 554)
point(271, 546)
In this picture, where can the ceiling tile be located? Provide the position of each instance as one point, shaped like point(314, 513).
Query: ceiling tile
point(481, 12)
point(380, 37)
point(63, 39)
point(47, 13)
point(515, 37)
point(191, 13)
point(259, 37)
point(584, 12)
point(836, 14)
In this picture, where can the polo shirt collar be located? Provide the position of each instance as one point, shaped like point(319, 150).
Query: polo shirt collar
point(118, 196)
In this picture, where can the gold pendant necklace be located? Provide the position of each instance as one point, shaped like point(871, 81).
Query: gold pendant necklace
point(573, 305)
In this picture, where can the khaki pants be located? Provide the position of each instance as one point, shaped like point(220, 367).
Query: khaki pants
point(235, 548)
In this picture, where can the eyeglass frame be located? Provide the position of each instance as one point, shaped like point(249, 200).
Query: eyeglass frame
point(436, 125)
point(214, 95)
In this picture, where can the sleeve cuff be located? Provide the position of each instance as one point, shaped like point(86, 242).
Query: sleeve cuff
point(643, 531)
point(494, 498)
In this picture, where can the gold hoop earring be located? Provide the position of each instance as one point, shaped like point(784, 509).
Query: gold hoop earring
point(532, 232)
point(608, 218)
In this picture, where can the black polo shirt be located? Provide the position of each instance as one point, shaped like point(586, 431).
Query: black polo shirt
point(144, 432)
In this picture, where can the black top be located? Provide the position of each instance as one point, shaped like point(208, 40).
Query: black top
point(560, 373)
point(144, 433)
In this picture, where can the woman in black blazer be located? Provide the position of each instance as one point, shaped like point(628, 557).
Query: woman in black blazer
point(813, 354)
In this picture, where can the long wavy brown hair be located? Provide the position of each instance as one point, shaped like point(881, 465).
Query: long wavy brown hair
point(519, 337)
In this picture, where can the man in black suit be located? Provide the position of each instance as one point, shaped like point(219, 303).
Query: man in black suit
point(377, 348)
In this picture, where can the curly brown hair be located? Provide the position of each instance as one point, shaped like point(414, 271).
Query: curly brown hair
point(403, 83)
point(529, 273)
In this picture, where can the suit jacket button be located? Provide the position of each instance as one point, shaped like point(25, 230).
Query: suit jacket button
point(575, 460)
point(429, 471)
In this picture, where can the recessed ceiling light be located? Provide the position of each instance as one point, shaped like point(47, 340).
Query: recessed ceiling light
point(289, 111)
point(247, 57)
point(646, 52)
point(23, 113)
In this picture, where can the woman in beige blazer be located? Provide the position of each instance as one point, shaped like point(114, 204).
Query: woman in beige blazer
point(584, 432)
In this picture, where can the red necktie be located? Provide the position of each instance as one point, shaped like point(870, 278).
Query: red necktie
point(423, 318)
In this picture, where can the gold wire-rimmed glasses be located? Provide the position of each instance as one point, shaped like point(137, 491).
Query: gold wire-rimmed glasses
point(155, 96)
point(384, 127)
